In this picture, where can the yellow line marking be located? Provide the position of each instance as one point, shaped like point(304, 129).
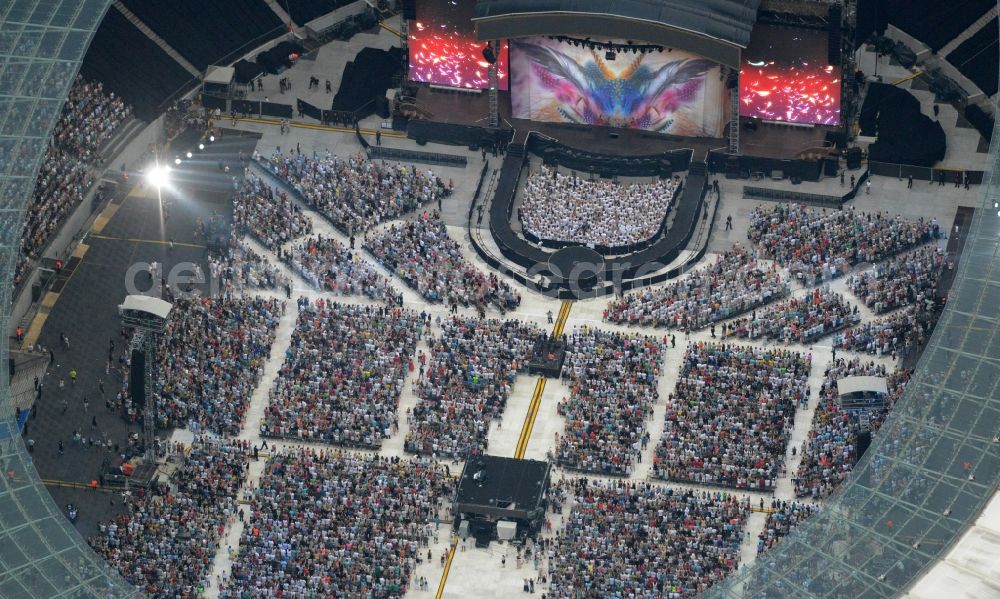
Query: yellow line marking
point(104, 218)
point(905, 79)
point(536, 398)
point(80, 251)
point(447, 567)
point(529, 418)
point(391, 30)
point(75, 485)
point(154, 241)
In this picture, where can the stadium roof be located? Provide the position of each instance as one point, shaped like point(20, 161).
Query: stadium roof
point(715, 29)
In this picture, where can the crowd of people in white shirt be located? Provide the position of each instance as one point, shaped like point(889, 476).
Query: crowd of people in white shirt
point(343, 374)
point(729, 418)
point(820, 244)
point(561, 207)
point(89, 119)
point(736, 282)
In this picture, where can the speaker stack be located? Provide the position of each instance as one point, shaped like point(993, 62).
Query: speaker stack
point(732, 167)
point(410, 9)
point(853, 157)
point(833, 40)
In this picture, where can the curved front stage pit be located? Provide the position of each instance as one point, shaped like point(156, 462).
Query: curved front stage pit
point(576, 268)
point(620, 273)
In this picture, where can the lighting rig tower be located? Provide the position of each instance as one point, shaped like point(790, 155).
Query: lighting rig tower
point(491, 54)
point(148, 317)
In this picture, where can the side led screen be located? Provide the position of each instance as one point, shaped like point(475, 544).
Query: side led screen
point(444, 50)
point(785, 77)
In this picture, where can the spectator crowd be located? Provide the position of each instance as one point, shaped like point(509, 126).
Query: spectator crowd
point(831, 448)
point(735, 283)
point(210, 358)
point(803, 320)
point(782, 518)
point(269, 215)
point(822, 244)
point(166, 540)
point(89, 119)
point(907, 279)
point(421, 253)
point(337, 524)
point(465, 384)
point(343, 374)
point(354, 192)
point(329, 266)
point(729, 418)
point(241, 269)
point(624, 539)
point(612, 379)
point(561, 207)
point(896, 334)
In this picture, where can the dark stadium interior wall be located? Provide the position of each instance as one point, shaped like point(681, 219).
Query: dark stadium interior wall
point(785, 76)
point(131, 65)
point(444, 50)
point(210, 32)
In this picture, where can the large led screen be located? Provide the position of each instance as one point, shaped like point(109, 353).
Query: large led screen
point(785, 77)
point(444, 50)
point(566, 81)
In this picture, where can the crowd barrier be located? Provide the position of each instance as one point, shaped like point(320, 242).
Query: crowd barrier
point(400, 154)
point(651, 165)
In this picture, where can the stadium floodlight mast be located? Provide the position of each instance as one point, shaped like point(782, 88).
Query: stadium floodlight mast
point(147, 315)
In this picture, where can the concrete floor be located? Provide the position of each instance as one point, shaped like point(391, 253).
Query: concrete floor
point(471, 567)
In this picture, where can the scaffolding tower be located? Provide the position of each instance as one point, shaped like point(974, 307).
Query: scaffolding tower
point(148, 317)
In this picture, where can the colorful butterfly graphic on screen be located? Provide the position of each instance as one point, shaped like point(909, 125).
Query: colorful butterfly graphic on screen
point(638, 97)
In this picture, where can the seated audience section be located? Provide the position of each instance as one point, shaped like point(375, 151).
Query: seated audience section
point(343, 374)
point(327, 265)
point(818, 244)
point(209, 32)
point(907, 279)
point(131, 65)
point(624, 539)
point(423, 254)
point(346, 525)
point(898, 333)
point(782, 518)
point(612, 377)
point(354, 193)
point(805, 319)
point(735, 283)
point(831, 449)
point(268, 215)
point(730, 416)
point(564, 81)
point(211, 358)
point(90, 117)
point(166, 542)
point(977, 57)
point(465, 383)
point(561, 209)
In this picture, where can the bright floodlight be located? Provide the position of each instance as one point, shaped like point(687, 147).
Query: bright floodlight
point(211, 138)
point(201, 146)
point(177, 160)
point(159, 176)
point(189, 154)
